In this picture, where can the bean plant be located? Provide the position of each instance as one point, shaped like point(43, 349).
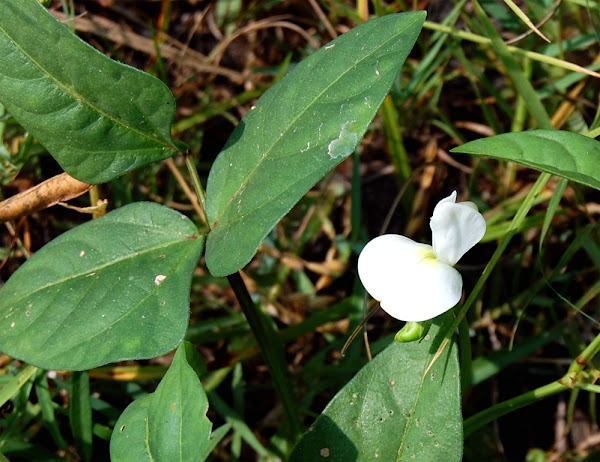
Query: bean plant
point(117, 288)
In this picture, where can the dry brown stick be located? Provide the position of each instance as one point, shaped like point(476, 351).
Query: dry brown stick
point(323, 17)
point(275, 21)
point(57, 189)
point(186, 188)
point(537, 26)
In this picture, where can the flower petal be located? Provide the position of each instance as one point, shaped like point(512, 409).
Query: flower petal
point(456, 227)
point(407, 279)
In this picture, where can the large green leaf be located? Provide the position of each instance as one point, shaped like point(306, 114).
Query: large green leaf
point(391, 411)
point(97, 117)
point(566, 154)
point(111, 289)
point(169, 424)
point(299, 130)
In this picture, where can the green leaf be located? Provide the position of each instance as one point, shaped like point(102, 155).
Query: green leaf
point(300, 129)
point(169, 424)
point(391, 411)
point(561, 153)
point(111, 289)
point(129, 438)
point(215, 438)
point(98, 118)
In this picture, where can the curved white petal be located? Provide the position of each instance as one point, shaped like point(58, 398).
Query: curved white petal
point(451, 199)
point(473, 205)
point(407, 279)
point(455, 227)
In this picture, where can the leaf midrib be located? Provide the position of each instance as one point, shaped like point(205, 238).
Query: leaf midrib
point(108, 264)
point(70, 92)
point(124, 315)
point(132, 309)
point(267, 202)
point(413, 408)
point(147, 435)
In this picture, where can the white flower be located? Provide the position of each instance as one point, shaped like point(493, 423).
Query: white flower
point(417, 282)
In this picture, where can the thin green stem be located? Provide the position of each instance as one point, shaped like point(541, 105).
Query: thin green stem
point(594, 133)
point(492, 413)
point(586, 356)
point(466, 359)
point(94, 195)
point(471, 37)
point(94, 201)
point(271, 349)
point(574, 379)
point(593, 388)
point(265, 334)
point(515, 224)
point(189, 163)
point(461, 34)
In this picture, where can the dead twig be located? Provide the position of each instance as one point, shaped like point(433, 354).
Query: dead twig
point(59, 188)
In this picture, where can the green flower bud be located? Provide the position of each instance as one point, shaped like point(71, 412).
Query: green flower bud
point(413, 331)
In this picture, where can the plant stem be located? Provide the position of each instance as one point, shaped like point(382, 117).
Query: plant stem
point(586, 356)
point(189, 163)
point(478, 420)
point(574, 378)
point(94, 200)
point(528, 202)
point(471, 37)
point(271, 349)
point(593, 388)
point(466, 359)
point(266, 335)
point(187, 190)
